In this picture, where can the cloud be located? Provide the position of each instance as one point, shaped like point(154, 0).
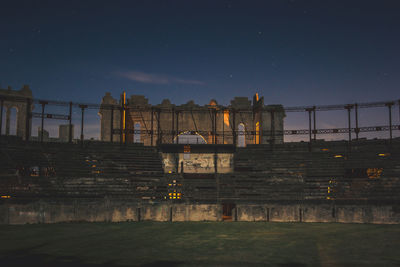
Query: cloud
point(143, 77)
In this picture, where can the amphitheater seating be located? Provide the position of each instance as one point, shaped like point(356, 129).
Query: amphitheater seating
point(330, 171)
point(70, 170)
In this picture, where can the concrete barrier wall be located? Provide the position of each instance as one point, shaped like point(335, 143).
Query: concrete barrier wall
point(107, 211)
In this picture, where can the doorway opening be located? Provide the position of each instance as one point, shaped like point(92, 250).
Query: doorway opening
point(227, 211)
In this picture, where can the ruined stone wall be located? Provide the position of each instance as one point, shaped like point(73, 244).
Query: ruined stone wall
point(216, 124)
point(17, 99)
point(198, 162)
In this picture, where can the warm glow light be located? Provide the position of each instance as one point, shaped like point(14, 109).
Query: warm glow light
point(5, 196)
point(257, 96)
point(338, 156)
point(257, 132)
point(226, 117)
point(383, 154)
point(324, 149)
point(374, 173)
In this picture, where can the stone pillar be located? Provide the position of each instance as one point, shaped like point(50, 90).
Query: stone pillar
point(272, 123)
point(105, 118)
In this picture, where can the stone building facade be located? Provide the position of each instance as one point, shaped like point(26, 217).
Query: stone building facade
point(242, 122)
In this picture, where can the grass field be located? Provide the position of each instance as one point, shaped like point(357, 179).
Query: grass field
point(200, 244)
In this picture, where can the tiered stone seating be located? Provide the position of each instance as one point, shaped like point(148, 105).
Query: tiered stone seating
point(95, 170)
point(290, 172)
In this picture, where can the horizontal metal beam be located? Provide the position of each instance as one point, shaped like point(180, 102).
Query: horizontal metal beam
point(342, 130)
point(50, 116)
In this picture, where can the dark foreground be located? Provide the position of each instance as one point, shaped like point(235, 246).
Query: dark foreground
point(200, 244)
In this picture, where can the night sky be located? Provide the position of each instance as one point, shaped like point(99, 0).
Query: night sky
point(291, 52)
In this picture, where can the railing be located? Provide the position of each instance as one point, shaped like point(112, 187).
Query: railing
point(153, 134)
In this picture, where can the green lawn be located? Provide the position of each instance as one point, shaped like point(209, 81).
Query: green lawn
point(200, 244)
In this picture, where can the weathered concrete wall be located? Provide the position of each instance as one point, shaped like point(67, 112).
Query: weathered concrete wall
point(108, 211)
point(198, 162)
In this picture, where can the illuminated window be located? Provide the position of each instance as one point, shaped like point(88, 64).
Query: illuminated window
point(226, 117)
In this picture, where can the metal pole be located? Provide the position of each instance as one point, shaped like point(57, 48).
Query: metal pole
point(112, 125)
point(151, 131)
point(177, 127)
point(125, 131)
point(215, 127)
point(120, 125)
point(272, 127)
point(223, 127)
point(159, 139)
point(234, 126)
point(349, 107)
point(173, 126)
point(27, 119)
point(315, 124)
point(356, 114)
point(82, 121)
point(399, 110)
point(254, 128)
point(309, 128)
point(70, 123)
point(41, 130)
point(1, 115)
point(390, 120)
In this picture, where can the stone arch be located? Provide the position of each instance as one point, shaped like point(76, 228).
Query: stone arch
point(189, 137)
point(11, 120)
point(241, 135)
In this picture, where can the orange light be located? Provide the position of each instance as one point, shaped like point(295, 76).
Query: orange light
point(226, 117)
point(338, 156)
point(257, 133)
point(5, 196)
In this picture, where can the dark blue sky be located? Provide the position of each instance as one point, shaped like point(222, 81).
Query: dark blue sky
point(292, 52)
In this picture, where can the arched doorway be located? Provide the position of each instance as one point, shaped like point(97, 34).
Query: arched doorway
point(189, 138)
